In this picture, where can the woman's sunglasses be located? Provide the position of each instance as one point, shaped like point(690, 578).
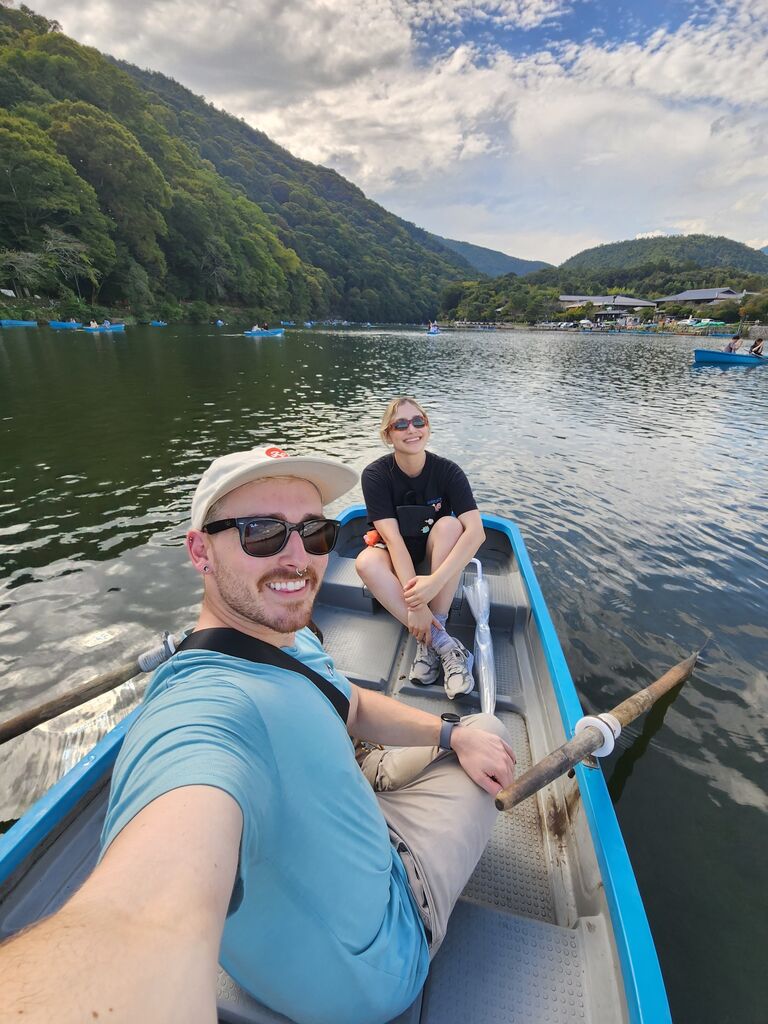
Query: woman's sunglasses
point(417, 421)
point(261, 537)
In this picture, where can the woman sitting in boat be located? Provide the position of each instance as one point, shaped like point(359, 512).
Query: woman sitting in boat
point(410, 495)
point(733, 345)
point(93, 324)
point(756, 348)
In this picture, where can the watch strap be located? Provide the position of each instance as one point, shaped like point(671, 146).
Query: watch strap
point(446, 728)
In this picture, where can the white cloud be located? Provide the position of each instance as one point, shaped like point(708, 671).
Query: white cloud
point(536, 154)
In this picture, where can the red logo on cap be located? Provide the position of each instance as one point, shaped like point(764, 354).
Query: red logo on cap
point(276, 453)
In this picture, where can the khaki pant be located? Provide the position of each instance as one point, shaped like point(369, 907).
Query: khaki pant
point(439, 820)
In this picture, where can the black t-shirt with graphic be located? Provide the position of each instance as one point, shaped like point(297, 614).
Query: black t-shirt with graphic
point(417, 502)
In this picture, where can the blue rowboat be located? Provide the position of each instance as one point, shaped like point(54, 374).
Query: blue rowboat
point(706, 356)
point(287, 323)
point(102, 328)
point(433, 330)
point(158, 323)
point(18, 323)
point(64, 325)
point(551, 925)
point(274, 332)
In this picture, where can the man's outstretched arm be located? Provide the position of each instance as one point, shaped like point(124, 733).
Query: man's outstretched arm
point(140, 940)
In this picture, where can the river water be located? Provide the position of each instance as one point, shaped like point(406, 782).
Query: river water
point(640, 485)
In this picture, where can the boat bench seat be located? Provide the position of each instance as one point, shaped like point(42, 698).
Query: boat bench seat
point(343, 588)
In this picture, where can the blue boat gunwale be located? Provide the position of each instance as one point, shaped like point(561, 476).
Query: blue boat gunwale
point(643, 983)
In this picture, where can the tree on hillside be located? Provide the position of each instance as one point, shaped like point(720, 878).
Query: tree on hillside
point(39, 188)
point(130, 187)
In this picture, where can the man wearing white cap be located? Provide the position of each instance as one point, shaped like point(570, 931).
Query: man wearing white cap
point(240, 828)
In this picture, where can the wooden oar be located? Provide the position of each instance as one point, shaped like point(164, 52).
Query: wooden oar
point(27, 720)
point(591, 738)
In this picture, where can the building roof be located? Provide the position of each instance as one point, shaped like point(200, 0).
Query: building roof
point(606, 300)
point(702, 295)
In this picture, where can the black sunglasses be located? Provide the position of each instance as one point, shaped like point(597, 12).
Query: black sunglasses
point(261, 537)
point(403, 424)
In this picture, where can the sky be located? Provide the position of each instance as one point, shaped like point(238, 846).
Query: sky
point(537, 127)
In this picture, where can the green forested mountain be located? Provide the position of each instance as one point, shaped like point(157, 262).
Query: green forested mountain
point(491, 261)
point(119, 187)
point(375, 262)
point(672, 250)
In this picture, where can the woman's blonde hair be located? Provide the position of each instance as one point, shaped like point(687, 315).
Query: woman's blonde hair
point(390, 411)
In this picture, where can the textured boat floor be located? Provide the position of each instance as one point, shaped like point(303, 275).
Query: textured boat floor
point(497, 967)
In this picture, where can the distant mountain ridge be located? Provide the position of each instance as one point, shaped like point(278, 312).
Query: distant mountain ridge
point(672, 251)
point(491, 261)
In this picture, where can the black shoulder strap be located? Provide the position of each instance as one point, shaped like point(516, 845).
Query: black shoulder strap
point(240, 645)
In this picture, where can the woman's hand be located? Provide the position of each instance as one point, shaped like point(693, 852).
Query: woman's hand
point(420, 622)
point(420, 590)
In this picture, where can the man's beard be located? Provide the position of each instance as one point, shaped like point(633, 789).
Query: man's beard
point(245, 599)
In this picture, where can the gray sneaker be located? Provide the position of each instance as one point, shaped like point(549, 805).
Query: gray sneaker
point(457, 670)
point(426, 665)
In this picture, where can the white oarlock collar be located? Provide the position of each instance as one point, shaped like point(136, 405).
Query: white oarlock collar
point(609, 726)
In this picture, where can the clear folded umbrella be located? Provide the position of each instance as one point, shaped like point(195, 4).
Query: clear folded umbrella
point(479, 597)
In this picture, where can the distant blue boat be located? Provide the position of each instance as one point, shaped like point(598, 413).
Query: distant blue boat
point(103, 327)
point(308, 323)
point(706, 356)
point(158, 323)
point(18, 323)
point(287, 323)
point(275, 332)
point(64, 325)
point(433, 330)
point(219, 323)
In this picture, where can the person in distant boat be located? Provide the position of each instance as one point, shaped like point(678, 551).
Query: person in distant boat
point(93, 324)
point(410, 495)
point(240, 830)
point(733, 345)
point(756, 348)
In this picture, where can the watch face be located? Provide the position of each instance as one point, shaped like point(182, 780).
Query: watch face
point(450, 716)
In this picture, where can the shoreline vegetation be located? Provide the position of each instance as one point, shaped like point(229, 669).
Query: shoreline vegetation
point(125, 196)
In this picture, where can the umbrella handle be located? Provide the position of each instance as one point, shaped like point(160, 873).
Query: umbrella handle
point(478, 566)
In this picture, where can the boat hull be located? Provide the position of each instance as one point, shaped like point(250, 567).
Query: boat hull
point(18, 323)
point(554, 893)
point(275, 332)
point(707, 357)
point(107, 330)
point(64, 325)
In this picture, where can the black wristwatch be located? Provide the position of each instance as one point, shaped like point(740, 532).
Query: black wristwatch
point(450, 721)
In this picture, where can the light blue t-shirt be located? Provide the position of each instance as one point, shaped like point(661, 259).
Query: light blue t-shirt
point(322, 926)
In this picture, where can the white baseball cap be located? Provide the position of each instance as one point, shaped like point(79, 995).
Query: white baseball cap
point(331, 477)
